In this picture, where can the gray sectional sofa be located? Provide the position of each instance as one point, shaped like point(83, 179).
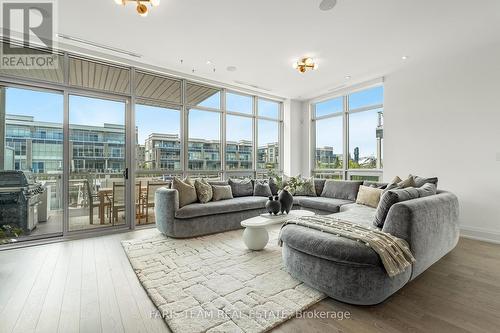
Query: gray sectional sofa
point(199, 219)
point(343, 269)
point(353, 273)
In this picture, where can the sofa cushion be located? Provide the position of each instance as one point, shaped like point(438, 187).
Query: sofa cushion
point(356, 213)
point(221, 192)
point(262, 189)
point(375, 184)
point(319, 184)
point(420, 181)
point(218, 182)
point(221, 207)
point(187, 192)
point(391, 197)
point(327, 246)
point(321, 203)
point(341, 189)
point(369, 196)
point(241, 187)
point(203, 190)
point(397, 183)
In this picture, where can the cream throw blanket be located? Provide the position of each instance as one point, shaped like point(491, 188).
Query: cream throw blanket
point(393, 251)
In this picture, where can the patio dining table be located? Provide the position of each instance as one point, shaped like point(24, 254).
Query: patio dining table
point(104, 192)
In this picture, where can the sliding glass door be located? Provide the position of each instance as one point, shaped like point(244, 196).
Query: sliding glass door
point(97, 164)
point(31, 148)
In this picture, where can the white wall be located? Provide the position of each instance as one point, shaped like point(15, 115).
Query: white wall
point(442, 118)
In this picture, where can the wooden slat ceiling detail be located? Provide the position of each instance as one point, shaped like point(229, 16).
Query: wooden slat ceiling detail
point(158, 88)
point(50, 75)
point(197, 94)
point(87, 74)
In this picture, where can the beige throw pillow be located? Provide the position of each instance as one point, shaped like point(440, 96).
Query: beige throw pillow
point(203, 190)
point(369, 196)
point(222, 192)
point(187, 192)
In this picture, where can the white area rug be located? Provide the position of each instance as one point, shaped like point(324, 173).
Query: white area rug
point(214, 284)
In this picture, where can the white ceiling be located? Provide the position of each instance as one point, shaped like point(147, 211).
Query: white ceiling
point(361, 38)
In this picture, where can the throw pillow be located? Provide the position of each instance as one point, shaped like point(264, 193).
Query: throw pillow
point(273, 186)
point(397, 183)
point(189, 181)
point(187, 192)
point(426, 190)
point(390, 198)
point(262, 189)
point(375, 184)
point(420, 181)
point(397, 180)
point(203, 190)
point(241, 188)
point(307, 188)
point(217, 182)
point(369, 196)
point(221, 192)
point(408, 182)
point(341, 189)
point(319, 184)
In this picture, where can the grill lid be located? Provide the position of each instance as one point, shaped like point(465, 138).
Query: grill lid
point(16, 178)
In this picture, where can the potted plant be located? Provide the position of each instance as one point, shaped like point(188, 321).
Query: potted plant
point(287, 188)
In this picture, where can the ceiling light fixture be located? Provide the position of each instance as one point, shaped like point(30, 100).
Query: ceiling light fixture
point(404, 57)
point(347, 77)
point(327, 4)
point(302, 65)
point(141, 8)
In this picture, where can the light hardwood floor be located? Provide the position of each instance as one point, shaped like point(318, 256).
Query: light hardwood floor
point(88, 286)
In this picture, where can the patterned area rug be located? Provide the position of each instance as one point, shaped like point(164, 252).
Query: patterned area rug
point(214, 284)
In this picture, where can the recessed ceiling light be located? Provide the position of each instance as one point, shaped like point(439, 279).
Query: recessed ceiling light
point(347, 77)
point(404, 57)
point(208, 62)
point(231, 68)
point(327, 4)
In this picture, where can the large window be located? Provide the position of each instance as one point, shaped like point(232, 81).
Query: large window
point(172, 126)
point(239, 144)
point(360, 143)
point(268, 152)
point(31, 140)
point(365, 139)
point(329, 151)
point(204, 148)
point(158, 135)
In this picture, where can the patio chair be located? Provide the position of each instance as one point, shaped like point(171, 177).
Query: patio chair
point(149, 198)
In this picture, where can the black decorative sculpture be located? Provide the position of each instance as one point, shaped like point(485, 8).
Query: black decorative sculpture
point(273, 205)
point(286, 200)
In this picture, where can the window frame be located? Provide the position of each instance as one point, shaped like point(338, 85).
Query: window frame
point(345, 172)
point(129, 96)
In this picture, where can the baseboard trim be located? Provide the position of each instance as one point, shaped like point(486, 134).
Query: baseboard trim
point(481, 234)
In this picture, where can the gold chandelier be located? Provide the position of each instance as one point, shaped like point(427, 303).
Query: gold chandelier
point(141, 8)
point(302, 65)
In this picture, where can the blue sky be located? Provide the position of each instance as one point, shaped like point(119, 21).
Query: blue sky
point(95, 112)
point(362, 125)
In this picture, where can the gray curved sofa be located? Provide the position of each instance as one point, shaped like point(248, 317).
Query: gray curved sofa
point(199, 219)
point(353, 273)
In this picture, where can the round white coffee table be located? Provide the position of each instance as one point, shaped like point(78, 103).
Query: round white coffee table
point(255, 235)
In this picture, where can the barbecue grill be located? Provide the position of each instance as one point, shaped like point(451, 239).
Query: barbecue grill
point(20, 195)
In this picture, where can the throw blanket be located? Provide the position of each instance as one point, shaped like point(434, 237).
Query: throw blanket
point(393, 251)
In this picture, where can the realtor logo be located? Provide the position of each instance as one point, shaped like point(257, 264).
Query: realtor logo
point(28, 35)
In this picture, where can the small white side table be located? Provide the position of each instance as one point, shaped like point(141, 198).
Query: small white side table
point(255, 235)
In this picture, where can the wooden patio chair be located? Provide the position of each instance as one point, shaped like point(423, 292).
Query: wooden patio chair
point(149, 198)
